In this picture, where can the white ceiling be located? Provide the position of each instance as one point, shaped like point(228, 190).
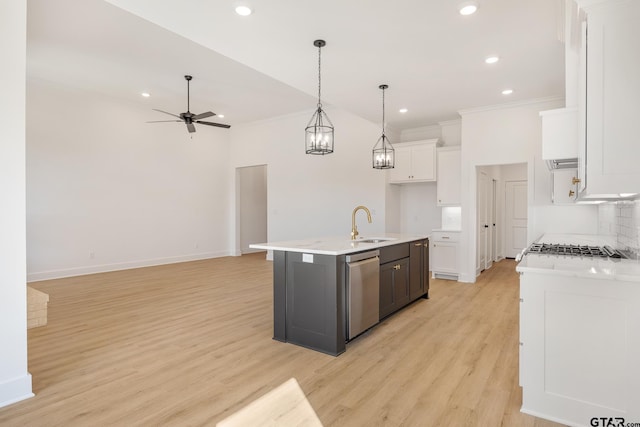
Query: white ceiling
point(265, 65)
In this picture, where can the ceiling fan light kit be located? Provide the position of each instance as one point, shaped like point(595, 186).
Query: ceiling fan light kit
point(188, 118)
point(319, 130)
point(383, 155)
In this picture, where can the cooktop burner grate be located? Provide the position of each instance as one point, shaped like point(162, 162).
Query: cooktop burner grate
point(573, 250)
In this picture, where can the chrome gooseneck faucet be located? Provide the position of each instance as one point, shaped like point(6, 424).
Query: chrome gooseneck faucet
point(354, 228)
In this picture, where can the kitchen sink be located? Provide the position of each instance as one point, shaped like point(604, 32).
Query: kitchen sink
point(375, 240)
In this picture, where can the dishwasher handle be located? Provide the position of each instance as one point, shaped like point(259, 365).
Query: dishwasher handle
point(362, 255)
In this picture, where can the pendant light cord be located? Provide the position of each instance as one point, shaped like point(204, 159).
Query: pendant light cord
point(383, 112)
point(319, 75)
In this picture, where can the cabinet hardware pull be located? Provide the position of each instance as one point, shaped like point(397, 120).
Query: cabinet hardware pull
point(572, 193)
point(575, 180)
point(417, 244)
point(445, 237)
point(396, 267)
point(426, 245)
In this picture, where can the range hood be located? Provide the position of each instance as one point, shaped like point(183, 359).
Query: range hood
point(562, 164)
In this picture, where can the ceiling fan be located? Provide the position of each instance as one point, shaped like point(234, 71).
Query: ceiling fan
point(189, 118)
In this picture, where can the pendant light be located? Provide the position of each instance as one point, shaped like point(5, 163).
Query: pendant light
point(383, 152)
point(319, 131)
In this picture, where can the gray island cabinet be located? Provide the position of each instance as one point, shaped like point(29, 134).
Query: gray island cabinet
point(310, 285)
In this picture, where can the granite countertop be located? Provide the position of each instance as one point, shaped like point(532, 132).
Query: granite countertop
point(339, 245)
point(586, 267)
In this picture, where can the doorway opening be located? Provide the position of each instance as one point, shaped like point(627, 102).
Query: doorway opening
point(251, 207)
point(502, 206)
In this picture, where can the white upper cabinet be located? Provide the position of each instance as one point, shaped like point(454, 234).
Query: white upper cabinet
point(565, 188)
point(609, 149)
point(448, 176)
point(415, 162)
point(560, 133)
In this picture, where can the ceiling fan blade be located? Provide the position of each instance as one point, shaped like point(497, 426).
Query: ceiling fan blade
point(163, 121)
point(191, 127)
point(220, 125)
point(171, 114)
point(203, 115)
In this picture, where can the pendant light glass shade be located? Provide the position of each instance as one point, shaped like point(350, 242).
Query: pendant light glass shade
point(319, 131)
point(383, 152)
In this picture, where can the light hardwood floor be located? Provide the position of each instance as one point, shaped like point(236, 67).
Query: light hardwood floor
point(190, 344)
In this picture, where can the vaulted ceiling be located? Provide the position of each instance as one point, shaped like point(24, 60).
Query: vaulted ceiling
point(265, 65)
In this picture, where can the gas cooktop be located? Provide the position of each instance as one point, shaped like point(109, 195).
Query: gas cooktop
point(574, 250)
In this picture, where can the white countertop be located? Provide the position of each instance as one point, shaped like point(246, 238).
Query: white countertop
point(340, 245)
point(587, 267)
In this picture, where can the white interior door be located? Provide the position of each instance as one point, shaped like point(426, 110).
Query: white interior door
point(483, 221)
point(516, 217)
point(494, 220)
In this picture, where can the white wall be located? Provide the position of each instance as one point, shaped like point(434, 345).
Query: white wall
point(15, 381)
point(507, 134)
point(419, 212)
point(313, 196)
point(107, 191)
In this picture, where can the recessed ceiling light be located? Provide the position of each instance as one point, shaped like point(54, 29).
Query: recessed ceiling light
point(492, 59)
point(244, 10)
point(403, 110)
point(507, 91)
point(468, 8)
point(220, 115)
point(145, 94)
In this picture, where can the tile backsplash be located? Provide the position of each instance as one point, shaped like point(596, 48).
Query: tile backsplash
point(621, 219)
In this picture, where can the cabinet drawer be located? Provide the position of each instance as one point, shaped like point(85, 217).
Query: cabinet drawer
point(445, 236)
point(392, 253)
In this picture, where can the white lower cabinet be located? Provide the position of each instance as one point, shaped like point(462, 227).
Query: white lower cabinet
point(444, 254)
point(579, 348)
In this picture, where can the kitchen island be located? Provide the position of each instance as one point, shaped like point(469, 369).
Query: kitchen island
point(310, 284)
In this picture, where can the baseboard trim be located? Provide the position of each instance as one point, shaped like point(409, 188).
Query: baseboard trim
point(103, 268)
point(15, 390)
point(466, 278)
point(548, 417)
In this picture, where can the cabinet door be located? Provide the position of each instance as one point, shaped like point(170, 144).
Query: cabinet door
point(448, 186)
point(564, 188)
point(402, 169)
point(386, 289)
point(423, 162)
point(394, 286)
point(444, 256)
point(425, 268)
point(415, 270)
point(613, 67)
point(401, 283)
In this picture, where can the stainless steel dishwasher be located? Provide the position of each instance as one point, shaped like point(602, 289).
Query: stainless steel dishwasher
point(363, 292)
